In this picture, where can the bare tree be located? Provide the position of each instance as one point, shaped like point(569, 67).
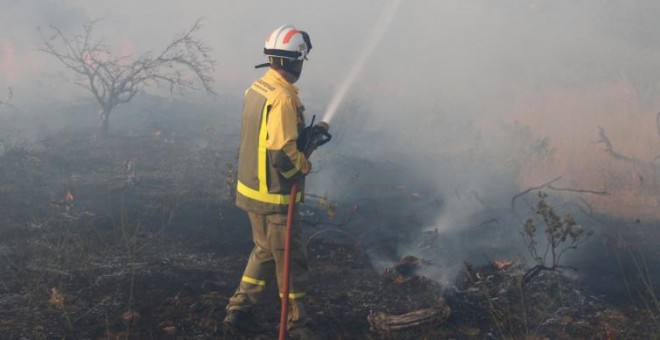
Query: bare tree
point(184, 64)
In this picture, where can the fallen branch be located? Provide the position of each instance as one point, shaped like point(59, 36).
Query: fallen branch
point(316, 234)
point(384, 322)
point(531, 273)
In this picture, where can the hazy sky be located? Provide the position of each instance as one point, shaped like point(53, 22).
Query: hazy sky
point(449, 76)
point(449, 48)
point(432, 46)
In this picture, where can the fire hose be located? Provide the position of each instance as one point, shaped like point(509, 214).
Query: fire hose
point(312, 137)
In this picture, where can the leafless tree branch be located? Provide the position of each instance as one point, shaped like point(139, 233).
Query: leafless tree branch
point(610, 150)
point(516, 196)
point(184, 64)
point(584, 191)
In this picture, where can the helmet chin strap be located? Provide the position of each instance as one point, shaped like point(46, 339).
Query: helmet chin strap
point(283, 65)
point(286, 66)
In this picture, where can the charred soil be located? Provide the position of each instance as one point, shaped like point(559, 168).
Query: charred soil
point(136, 236)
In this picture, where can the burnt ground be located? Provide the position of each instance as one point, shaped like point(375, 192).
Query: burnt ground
point(135, 236)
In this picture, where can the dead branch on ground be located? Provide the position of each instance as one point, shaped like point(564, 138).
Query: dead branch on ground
point(386, 323)
point(337, 226)
point(339, 231)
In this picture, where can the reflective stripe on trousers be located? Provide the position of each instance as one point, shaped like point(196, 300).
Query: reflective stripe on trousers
point(267, 261)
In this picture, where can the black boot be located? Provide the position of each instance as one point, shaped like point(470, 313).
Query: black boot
point(243, 321)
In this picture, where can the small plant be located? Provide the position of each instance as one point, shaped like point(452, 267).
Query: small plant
point(329, 207)
point(57, 300)
point(561, 234)
point(640, 286)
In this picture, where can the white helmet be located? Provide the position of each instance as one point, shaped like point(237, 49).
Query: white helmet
point(289, 43)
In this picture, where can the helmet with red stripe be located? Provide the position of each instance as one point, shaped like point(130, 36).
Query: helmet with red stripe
point(289, 43)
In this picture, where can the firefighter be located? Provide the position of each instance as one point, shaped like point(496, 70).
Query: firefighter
point(269, 163)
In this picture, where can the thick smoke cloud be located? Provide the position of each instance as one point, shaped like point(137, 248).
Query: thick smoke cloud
point(464, 103)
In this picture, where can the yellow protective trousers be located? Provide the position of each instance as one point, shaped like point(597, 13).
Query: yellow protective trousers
point(267, 258)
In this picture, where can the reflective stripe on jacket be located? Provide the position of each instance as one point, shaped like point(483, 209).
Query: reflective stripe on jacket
point(269, 161)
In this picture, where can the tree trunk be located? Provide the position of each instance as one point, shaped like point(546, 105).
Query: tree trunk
point(104, 122)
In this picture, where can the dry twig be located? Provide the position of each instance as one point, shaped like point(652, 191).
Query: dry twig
point(550, 186)
point(516, 196)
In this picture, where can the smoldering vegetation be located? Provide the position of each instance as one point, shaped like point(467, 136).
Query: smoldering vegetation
point(135, 235)
point(492, 177)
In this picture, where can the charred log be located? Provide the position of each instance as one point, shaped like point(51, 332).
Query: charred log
point(385, 323)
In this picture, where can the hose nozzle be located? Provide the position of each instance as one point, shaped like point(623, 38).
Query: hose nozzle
point(313, 136)
point(324, 126)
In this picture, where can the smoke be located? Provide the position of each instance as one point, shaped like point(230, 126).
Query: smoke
point(461, 105)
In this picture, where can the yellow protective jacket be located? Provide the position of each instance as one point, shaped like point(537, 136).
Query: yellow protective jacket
point(269, 161)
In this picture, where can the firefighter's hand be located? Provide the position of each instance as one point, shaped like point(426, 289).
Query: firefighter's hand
point(308, 152)
point(309, 169)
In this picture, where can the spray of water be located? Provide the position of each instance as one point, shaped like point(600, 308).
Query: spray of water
point(379, 31)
